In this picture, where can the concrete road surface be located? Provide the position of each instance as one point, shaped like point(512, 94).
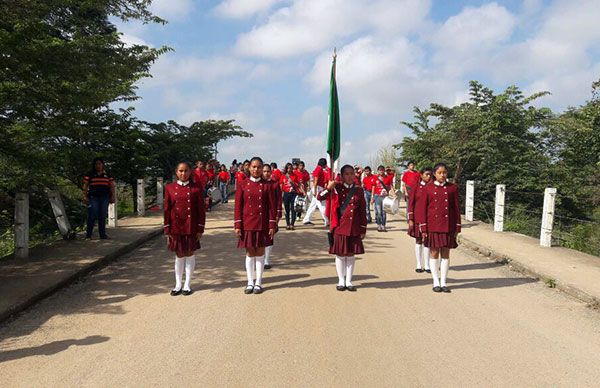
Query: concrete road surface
point(120, 327)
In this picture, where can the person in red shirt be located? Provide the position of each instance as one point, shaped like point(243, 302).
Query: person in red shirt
point(242, 174)
point(416, 195)
point(276, 173)
point(367, 184)
point(320, 178)
point(290, 187)
point(303, 182)
point(255, 221)
point(268, 176)
point(358, 175)
point(410, 178)
point(200, 176)
point(348, 225)
point(184, 218)
point(378, 193)
point(389, 179)
point(224, 179)
point(210, 175)
point(438, 213)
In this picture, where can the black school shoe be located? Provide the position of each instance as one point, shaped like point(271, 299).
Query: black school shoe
point(340, 288)
point(446, 289)
point(419, 270)
point(428, 270)
point(248, 290)
point(351, 288)
point(175, 292)
point(268, 266)
point(257, 290)
point(187, 292)
point(437, 289)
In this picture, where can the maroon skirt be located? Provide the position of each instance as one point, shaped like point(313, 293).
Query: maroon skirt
point(346, 245)
point(183, 243)
point(254, 239)
point(441, 240)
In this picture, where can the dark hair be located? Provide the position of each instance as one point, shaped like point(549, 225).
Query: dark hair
point(258, 158)
point(380, 167)
point(409, 162)
point(369, 167)
point(287, 165)
point(234, 161)
point(186, 163)
point(246, 161)
point(322, 162)
point(425, 169)
point(301, 163)
point(93, 171)
point(345, 166)
point(438, 166)
point(295, 164)
point(223, 166)
point(273, 165)
point(267, 165)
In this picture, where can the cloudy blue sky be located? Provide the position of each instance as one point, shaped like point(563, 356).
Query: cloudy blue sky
point(266, 63)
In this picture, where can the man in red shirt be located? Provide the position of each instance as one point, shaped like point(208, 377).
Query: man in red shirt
point(318, 184)
point(200, 174)
point(410, 178)
point(275, 172)
point(367, 184)
point(303, 181)
point(389, 177)
point(224, 179)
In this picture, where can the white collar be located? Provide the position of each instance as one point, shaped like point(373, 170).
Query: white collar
point(253, 179)
point(182, 183)
point(439, 184)
point(423, 183)
point(348, 186)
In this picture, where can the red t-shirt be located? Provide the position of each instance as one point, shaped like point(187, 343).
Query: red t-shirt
point(411, 178)
point(389, 180)
point(378, 185)
point(303, 177)
point(369, 181)
point(211, 175)
point(200, 176)
point(319, 176)
point(287, 184)
point(276, 174)
point(240, 176)
point(224, 176)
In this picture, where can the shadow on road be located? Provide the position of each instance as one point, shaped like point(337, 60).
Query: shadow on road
point(50, 348)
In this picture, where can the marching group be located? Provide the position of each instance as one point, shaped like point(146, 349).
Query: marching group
point(262, 191)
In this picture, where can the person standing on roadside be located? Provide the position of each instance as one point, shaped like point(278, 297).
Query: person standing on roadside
point(98, 192)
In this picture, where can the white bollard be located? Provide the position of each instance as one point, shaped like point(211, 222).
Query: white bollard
point(22, 225)
point(499, 209)
point(470, 197)
point(159, 192)
point(141, 202)
point(60, 214)
point(113, 215)
point(548, 217)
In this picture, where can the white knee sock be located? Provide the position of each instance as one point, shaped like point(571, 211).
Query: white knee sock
point(268, 254)
point(190, 264)
point(445, 265)
point(426, 256)
point(433, 263)
point(340, 266)
point(419, 254)
point(250, 266)
point(179, 264)
point(260, 267)
point(350, 260)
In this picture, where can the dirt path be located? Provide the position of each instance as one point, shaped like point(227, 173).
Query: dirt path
point(120, 326)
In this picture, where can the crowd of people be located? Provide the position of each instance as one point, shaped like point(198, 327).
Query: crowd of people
point(264, 193)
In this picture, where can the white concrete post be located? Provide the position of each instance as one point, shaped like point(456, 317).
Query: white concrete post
point(141, 202)
point(22, 226)
point(60, 214)
point(499, 210)
point(548, 217)
point(113, 216)
point(159, 192)
point(470, 197)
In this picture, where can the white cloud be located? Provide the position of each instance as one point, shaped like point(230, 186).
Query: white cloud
point(172, 10)
point(242, 9)
point(309, 26)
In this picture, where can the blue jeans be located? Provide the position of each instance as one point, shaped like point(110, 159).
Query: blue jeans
point(379, 213)
point(223, 188)
point(97, 210)
point(368, 200)
point(290, 212)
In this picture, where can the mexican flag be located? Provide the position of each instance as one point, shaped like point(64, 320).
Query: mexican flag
point(333, 145)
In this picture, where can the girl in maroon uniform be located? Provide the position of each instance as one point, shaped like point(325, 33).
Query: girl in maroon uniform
point(348, 224)
point(268, 176)
point(416, 195)
point(184, 218)
point(439, 213)
point(255, 222)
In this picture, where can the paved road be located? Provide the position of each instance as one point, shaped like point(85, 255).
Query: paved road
point(121, 327)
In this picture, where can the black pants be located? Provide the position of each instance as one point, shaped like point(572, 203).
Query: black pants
point(290, 212)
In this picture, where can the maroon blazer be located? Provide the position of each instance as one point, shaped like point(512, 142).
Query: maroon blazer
point(354, 219)
point(255, 206)
point(278, 197)
point(185, 211)
point(439, 209)
point(414, 196)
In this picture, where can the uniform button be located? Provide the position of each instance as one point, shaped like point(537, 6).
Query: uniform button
point(189, 216)
point(446, 215)
point(188, 208)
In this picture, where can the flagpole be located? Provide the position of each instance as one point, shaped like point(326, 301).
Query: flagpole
point(331, 161)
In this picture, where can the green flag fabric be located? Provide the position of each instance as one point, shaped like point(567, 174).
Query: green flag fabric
point(333, 122)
